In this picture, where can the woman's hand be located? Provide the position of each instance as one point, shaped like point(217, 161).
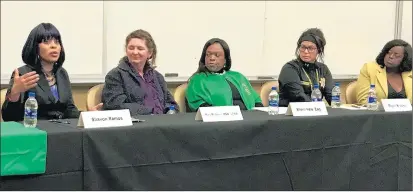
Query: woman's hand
point(23, 83)
point(98, 107)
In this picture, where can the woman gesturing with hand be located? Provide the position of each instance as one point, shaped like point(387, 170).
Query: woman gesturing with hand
point(22, 84)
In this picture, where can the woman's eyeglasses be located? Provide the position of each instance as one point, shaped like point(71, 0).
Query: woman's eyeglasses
point(309, 49)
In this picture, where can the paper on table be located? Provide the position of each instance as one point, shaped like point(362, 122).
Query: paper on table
point(353, 108)
point(134, 119)
point(281, 110)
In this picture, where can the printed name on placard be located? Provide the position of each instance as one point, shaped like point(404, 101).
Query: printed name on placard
point(306, 109)
point(395, 105)
point(108, 118)
point(219, 113)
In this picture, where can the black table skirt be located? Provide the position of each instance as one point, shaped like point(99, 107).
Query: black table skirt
point(346, 150)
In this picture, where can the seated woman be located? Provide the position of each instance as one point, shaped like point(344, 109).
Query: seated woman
point(391, 73)
point(43, 74)
point(298, 77)
point(134, 84)
point(214, 84)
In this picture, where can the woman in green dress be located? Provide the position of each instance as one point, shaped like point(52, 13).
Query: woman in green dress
point(214, 84)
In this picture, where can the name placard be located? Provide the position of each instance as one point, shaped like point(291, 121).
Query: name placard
point(109, 118)
point(219, 113)
point(307, 109)
point(395, 105)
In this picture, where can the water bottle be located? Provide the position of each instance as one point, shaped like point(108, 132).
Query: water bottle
point(372, 99)
point(171, 110)
point(30, 111)
point(273, 99)
point(335, 96)
point(316, 94)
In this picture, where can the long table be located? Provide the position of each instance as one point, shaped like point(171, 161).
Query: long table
point(346, 150)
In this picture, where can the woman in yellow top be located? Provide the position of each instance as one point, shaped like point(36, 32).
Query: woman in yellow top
point(391, 73)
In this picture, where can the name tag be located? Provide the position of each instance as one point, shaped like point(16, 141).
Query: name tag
point(307, 109)
point(109, 118)
point(219, 113)
point(394, 105)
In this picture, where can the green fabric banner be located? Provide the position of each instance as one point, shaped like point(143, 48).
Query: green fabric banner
point(23, 150)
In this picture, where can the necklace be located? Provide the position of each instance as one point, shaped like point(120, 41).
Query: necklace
point(309, 79)
point(50, 77)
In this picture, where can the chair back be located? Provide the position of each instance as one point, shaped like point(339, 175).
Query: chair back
point(265, 91)
point(2, 99)
point(351, 97)
point(179, 96)
point(94, 96)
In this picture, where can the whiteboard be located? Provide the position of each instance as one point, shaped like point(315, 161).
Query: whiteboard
point(80, 24)
point(262, 35)
point(355, 31)
point(407, 22)
point(181, 28)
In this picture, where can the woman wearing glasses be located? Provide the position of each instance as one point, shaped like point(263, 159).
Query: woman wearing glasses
point(298, 77)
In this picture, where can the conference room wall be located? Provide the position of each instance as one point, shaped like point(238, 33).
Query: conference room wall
point(262, 34)
point(406, 26)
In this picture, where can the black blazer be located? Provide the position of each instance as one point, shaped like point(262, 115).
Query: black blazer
point(123, 90)
point(48, 108)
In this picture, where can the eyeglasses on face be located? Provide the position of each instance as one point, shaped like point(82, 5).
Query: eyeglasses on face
point(310, 49)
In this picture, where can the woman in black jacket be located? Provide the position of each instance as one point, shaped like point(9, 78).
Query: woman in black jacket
point(298, 77)
point(43, 74)
point(134, 84)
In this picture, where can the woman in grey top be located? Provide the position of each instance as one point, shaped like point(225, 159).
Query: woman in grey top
point(134, 84)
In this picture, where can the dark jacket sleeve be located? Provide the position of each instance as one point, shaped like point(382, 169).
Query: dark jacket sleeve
point(114, 96)
point(71, 109)
point(329, 84)
point(291, 84)
point(169, 99)
point(259, 105)
point(13, 111)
